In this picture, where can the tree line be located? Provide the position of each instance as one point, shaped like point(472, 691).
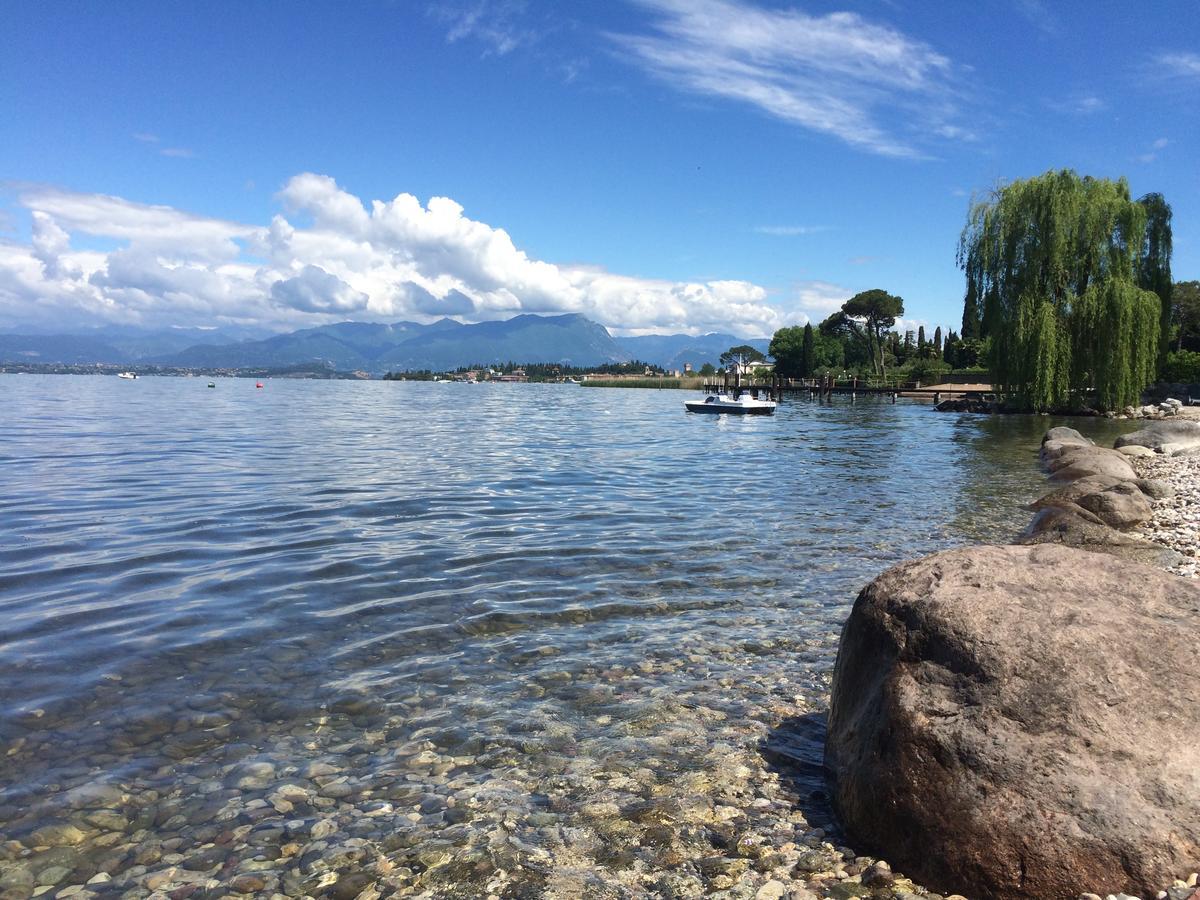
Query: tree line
point(1069, 301)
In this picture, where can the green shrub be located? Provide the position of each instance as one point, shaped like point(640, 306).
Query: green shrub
point(1183, 367)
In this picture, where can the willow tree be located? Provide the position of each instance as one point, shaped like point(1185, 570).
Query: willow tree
point(1056, 265)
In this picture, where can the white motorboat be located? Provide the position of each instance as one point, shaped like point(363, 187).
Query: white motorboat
point(743, 404)
point(127, 374)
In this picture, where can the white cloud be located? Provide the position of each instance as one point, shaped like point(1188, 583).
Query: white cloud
point(790, 230)
point(497, 24)
point(1178, 65)
point(315, 290)
point(331, 255)
point(815, 300)
point(835, 73)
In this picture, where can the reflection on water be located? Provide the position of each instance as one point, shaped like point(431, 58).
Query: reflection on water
point(445, 635)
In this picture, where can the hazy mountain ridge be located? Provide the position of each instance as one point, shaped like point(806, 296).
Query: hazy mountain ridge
point(570, 339)
point(672, 351)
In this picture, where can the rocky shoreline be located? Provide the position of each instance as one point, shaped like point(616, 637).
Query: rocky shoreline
point(1175, 521)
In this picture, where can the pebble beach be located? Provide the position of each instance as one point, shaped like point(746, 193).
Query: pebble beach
point(1176, 521)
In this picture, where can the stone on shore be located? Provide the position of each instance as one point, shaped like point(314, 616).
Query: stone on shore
point(1070, 462)
point(1020, 722)
point(1121, 506)
point(1066, 435)
point(1180, 435)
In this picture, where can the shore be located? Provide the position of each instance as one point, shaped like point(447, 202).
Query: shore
point(1176, 521)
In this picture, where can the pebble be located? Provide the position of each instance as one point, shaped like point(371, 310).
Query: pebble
point(1175, 522)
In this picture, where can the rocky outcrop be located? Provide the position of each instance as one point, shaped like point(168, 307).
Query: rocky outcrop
point(1020, 722)
point(1099, 500)
point(1176, 436)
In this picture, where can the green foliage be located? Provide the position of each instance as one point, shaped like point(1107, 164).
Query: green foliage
point(1183, 366)
point(1154, 267)
point(1057, 263)
point(743, 353)
point(708, 369)
point(872, 314)
point(787, 349)
point(808, 351)
point(661, 383)
point(1185, 315)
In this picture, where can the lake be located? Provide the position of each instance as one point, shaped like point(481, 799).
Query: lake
point(463, 638)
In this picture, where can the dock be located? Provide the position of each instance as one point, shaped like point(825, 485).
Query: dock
point(822, 389)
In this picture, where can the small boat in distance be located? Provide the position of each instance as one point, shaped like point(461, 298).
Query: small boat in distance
point(212, 384)
point(258, 384)
point(127, 374)
point(743, 404)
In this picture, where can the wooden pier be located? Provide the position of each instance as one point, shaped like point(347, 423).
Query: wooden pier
point(822, 389)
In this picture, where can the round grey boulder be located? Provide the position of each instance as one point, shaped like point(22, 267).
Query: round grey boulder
point(1020, 722)
point(1184, 434)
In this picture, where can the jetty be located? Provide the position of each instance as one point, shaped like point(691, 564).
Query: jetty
point(827, 387)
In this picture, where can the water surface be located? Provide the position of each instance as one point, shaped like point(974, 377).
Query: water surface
point(483, 609)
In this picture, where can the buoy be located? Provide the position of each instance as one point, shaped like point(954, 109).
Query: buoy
point(258, 384)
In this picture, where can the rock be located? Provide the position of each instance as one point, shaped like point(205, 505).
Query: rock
point(247, 884)
point(1121, 506)
point(350, 885)
point(1003, 723)
point(1068, 494)
point(1065, 435)
point(1182, 432)
point(771, 890)
point(1135, 450)
point(323, 829)
point(1177, 449)
point(1073, 526)
point(878, 875)
point(1081, 462)
point(56, 835)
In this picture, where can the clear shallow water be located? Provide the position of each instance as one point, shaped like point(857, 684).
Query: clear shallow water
point(485, 609)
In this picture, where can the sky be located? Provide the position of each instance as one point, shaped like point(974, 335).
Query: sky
point(659, 166)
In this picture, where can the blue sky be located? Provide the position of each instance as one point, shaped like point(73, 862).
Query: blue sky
point(658, 165)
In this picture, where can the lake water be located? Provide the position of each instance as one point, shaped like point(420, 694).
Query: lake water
point(454, 638)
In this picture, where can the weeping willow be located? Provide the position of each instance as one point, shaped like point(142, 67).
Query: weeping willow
point(1057, 267)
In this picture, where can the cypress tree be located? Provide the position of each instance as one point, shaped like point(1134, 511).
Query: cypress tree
point(807, 363)
point(1154, 271)
point(1057, 261)
point(937, 340)
point(920, 340)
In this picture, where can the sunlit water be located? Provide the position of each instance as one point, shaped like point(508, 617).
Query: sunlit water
point(512, 601)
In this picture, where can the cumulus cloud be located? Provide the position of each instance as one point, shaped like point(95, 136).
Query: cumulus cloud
point(838, 74)
point(315, 290)
point(328, 256)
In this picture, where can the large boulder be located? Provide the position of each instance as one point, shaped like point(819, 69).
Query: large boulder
point(1075, 462)
point(1021, 722)
point(1066, 435)
point(1183, 434)
point(1121, 506)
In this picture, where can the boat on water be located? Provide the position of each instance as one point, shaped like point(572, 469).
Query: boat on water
point(127, 374)
point(742, 404)
point(212, 384)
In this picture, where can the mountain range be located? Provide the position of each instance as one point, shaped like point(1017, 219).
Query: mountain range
point(374, 347)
